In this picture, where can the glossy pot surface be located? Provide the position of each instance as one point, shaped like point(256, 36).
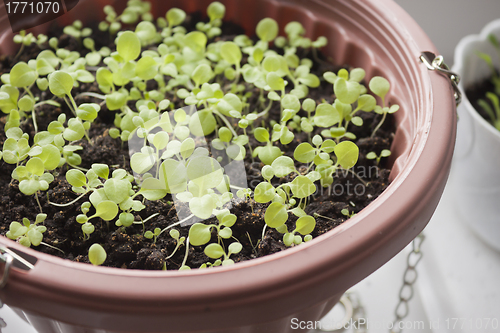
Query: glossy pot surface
point(304, 282)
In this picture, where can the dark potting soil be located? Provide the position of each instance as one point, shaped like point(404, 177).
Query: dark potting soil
point(127, 247)
point(478, 91)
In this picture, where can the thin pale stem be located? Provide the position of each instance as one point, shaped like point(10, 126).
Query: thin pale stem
point(309, 167)
point(379, 124)
point(44, 102)
point(21, 49)
point(77, 167)
point(146, 220)
point(249, 145)
point(238, 72)
point(224, 119)
point(266, 110)
point(322, 216)
point(52, 247)
point(251, 243)
point(294, 81)
point(38, 202)
point(157, 162)
point(237, 187)
point(73, 102)
point(33, 114)
point(175, 250)
point(177, 223)
point(281, 105)
point(186, 254)
point(261, 97)
point(88, 138)
point(316, 57)
point(70, 106)
point(359, 178)
point(69, 203)
point(91, 94)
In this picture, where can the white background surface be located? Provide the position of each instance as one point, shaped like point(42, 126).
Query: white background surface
point(459, 275)
point(457, 289)
point(447, 21)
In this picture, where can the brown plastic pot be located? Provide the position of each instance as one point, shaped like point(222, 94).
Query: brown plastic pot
point(304, 282)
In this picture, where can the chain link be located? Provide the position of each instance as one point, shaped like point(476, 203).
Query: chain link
point(350, 300)
point(7, 259)
point(355, 316)
point(436, 63)
point(409, 278)
point(353, 306)
point(359, 318)
point(3, 324)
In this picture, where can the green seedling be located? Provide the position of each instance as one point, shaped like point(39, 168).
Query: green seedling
point(153, 234)
point(268, 153)
point(216, 263)
point(215, 12)
point(16, 148)
point(215, 251)
point(380, 87)
point(347, 213)
point(304, 226)
point(23, 76)
point(94, 57)
point(28, 39)
point(373, 156)
point(200, 234)
point(233, 87)
point(174, 233)
point(135, 10)
point(183, 266)
point(77, 30)
point(61, 84)
point(97, 254)
point(33, 178)
point(28, 233)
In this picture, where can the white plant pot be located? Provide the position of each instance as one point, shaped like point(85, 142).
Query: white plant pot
point(475, 176)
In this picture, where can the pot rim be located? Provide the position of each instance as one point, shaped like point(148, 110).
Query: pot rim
point(355, 239)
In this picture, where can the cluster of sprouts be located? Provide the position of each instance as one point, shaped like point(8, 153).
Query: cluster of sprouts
point(215, 83)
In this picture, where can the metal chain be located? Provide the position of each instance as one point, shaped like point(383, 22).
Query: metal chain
point(3, 324)
point(355, 317)
point(7, 259)
point(436, 63)
point(350, 301)
point(359, 315)
point(409, 278)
